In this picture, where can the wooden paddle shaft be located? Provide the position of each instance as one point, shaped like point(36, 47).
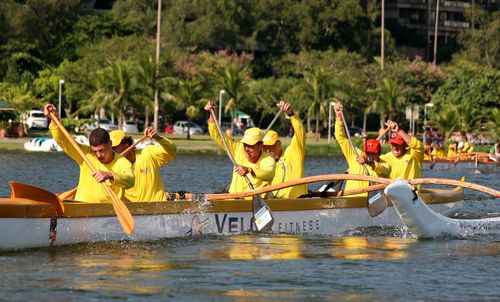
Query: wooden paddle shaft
point(137, 142)
point(383, 133)
point(331, 177)
point(350, 142)
point(305, 180)
point(56, 120)
point(122, 212)
point(268, 189)
point(249, 183)
point(272, 122)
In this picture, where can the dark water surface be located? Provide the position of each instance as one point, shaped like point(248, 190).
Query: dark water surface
point(374, 265)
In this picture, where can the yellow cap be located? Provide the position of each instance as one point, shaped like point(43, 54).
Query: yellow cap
point(252, 136)
point(116, 137)
point(271, 138)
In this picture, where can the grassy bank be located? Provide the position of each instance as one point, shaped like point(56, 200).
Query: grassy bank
point(203, 144)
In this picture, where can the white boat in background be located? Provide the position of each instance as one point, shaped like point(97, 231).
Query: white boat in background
point(48, 144)
point(423, 222)
point(42, 144)
point(145, 143)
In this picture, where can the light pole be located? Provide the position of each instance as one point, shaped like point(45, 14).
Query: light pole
point(425, 119)
point(330, 120)
point(221, 92)
point(61, 82)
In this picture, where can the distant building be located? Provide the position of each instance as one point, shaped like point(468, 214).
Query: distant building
point(419, 17)
point(99, 4)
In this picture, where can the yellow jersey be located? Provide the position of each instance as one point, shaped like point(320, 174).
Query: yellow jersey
point(291, 163)
point(452, 154)
point(409, 165)
point(148, 184)
point(89, 190)
point(263, 169)
point(381, 168)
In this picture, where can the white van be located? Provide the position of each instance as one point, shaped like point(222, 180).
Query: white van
point(35, 119)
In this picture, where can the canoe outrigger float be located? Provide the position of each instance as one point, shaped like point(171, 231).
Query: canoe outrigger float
point(31, 214)
point(423, 222)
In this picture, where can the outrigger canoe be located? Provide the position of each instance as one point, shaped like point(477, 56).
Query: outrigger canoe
point(34, 222)
point(423, 222)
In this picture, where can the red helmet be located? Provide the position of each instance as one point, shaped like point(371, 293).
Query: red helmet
point(372, 146)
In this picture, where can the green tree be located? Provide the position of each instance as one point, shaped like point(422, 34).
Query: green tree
point(387, 99)
point(234, 80)
point(187, 96)
point(318, 83)
point(470, 83)
point(445, 118)
point(493, 124)
point(481, 44)
point(120, 87)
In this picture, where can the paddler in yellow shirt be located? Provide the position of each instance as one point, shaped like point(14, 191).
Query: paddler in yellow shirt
point(147, 162)
point(113, 169)
point(406, 156)
point(289, 163)
point(248, 154)
point(370, 156)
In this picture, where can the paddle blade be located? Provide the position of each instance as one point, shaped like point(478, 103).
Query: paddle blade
point(67, 195)
point(377, 203)
point(262, 215)
point(122, 212)
point(20, 190)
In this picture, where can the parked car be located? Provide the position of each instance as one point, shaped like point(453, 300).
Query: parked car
point(104, 124)
point(130, 126)
point(35, 119)
point(355, 131)
point(181, 127)
point(169, 129)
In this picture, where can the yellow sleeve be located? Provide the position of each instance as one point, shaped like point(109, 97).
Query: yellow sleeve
point(416, 149)
point(382, 168)
point(67, 147)
point(164, 153)
point(123, 173)
point(264, 169)
point(344, 144)
point(214, 133)
point(298, 143)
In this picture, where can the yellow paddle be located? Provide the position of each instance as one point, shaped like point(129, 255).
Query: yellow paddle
point(122, 212)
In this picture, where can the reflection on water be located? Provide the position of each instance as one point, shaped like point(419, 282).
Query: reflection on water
point(245, 247)
point(292, 247)
point(368, 248)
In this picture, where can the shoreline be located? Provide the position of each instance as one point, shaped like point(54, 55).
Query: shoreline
point(204, 145)
point(197, 145)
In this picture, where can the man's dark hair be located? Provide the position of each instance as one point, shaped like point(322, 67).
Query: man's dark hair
point(127, 141)
point(98, 136)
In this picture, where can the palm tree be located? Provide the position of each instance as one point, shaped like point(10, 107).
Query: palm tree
point(493, 124)
point(387, 97)
point(234, 81)
point(100, 98)
point(188, 97)
point(318, 83)
point(468, 116)
point(445, 119)
point(147, 80)
point(120, 87)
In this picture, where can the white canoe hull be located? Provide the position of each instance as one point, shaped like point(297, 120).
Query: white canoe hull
point(425, 222)
point(19, 233)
